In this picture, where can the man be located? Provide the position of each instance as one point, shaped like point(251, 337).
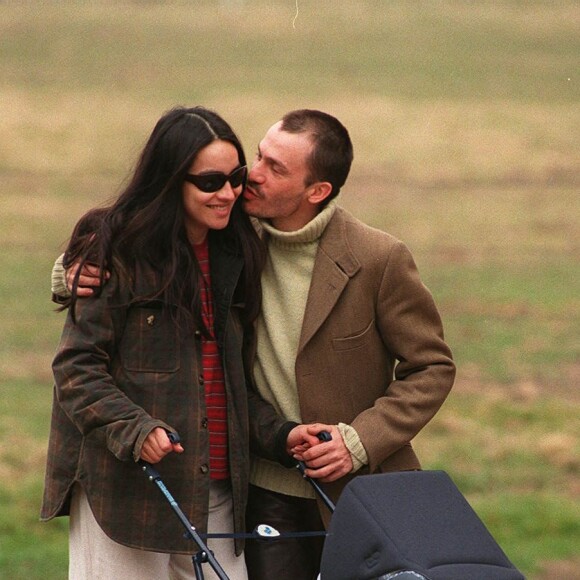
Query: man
point(349, 340)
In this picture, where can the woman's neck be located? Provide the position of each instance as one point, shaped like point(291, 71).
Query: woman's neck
point(197, 237)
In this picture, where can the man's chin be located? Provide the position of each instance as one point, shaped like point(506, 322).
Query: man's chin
point(253, 204)
point(247, 207)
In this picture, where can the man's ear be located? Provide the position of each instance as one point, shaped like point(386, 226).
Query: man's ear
point(319, 191)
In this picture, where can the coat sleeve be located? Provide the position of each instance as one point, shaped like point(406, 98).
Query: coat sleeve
point(411, 330)
point(268, 430)
point(85, 387)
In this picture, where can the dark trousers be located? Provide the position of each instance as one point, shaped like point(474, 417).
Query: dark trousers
point(291, 559)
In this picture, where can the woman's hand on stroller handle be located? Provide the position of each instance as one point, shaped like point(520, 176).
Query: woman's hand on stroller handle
point(158, 444)
point(303, 437)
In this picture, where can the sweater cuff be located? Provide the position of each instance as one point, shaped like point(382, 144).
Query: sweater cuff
point(353, 443)
point(280, 444)
point(58, 279)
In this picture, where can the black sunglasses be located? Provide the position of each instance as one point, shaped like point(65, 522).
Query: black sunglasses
point(212, 182)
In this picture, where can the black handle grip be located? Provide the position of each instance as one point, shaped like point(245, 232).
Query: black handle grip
point(173, 437)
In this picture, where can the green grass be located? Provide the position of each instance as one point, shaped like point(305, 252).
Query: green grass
point(532, 527)
point(514, 323)
point(28, 549)
point(514, 454)
point(411, 50)
point(465, 123)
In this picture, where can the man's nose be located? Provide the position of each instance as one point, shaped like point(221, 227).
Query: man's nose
point(256, 173)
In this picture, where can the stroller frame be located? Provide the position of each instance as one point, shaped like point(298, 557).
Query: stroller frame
point(400, 570)
point(204, 555)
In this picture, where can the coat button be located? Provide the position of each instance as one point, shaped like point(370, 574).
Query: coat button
point(201, 381)
point(204, 468)
point(197, 334)
point(204, 422)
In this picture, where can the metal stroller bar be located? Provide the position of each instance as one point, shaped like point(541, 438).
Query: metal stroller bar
point(204, 554)
point(301, 466)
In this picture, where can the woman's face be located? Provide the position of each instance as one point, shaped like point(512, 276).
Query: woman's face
point(210, 210)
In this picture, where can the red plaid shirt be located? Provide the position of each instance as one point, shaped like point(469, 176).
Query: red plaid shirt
point(213, 376)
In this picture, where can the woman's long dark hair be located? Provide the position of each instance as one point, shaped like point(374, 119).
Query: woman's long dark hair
point(146, 222)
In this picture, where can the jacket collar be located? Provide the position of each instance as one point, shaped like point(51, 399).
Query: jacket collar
point(335, 265)
point(226, 264)
point(335, 244)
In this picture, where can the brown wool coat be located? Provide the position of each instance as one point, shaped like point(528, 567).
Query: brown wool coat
point(119, 373)
point(367, 309)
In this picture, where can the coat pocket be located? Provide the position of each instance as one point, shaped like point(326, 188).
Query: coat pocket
point(357, 340)
point(150, 341)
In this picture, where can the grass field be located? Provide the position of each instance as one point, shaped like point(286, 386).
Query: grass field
point(465, 121)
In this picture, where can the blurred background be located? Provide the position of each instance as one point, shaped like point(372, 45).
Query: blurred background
point(465, 120)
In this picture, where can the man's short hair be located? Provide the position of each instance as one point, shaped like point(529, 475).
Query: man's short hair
point(332, 152)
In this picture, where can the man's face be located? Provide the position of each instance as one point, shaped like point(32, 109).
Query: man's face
point(277, 180)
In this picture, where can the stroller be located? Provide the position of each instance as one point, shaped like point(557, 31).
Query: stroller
point(413, 525)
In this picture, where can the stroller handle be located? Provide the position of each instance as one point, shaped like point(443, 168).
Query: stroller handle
point(324, 436)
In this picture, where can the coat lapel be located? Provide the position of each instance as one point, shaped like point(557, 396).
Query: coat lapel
point(335, 264)
point(226, 266)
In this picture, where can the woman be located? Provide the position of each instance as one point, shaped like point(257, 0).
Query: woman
point(158, 350)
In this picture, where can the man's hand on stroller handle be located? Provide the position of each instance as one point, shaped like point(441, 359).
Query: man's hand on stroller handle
point(325, 460)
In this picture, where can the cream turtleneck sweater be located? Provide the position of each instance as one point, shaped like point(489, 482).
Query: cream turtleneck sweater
point(285, 285)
